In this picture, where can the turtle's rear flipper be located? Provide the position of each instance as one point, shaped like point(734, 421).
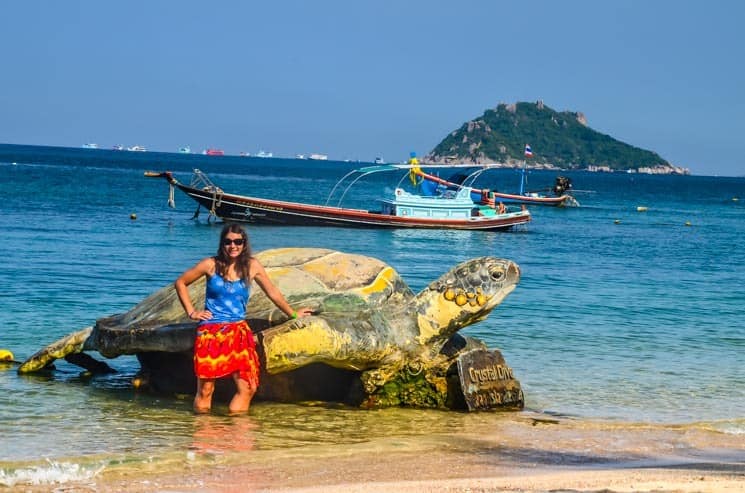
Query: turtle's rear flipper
point(69, 344)
point(84, 360)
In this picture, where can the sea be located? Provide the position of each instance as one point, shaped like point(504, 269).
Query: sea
point(630, 309)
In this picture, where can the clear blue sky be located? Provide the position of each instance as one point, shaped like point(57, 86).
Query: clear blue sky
point(360, 79)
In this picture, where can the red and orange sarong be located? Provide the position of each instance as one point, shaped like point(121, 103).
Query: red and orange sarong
point(221, 349)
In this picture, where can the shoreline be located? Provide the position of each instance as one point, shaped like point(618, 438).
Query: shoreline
point(341, 478)
point(523, 454)
point(416, 473)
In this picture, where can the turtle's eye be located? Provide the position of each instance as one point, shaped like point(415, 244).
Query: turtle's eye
point(497, 274)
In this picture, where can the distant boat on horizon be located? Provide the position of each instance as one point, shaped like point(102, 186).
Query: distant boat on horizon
point(117, 148)
point(299, 156)
point(214, 152)
point(379, 160)
point(318, 157)
point(90, 146)
point(185, 150)
point(136, 149)
point(264, 154)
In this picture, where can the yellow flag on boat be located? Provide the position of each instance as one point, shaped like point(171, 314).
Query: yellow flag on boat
point(414, 171)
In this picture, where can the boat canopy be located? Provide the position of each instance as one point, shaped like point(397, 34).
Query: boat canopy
point(346, 182)
point(353, 176)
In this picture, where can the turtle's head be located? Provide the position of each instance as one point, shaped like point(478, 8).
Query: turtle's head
point(463, 296)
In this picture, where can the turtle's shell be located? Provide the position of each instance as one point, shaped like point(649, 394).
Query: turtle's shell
point(323, 280)
point(327, 281)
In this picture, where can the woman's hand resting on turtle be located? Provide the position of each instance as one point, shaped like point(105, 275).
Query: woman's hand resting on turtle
point(304, 312)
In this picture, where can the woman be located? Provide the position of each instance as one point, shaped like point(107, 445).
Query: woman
point(224, 343)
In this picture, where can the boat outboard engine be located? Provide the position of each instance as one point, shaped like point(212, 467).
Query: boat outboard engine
point(562, 185)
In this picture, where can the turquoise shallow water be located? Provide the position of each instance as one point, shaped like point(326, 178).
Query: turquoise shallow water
point(620, 315)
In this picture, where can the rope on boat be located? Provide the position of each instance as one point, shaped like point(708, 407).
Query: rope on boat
point(216, 202)
point(171, 196)
point(571, 201)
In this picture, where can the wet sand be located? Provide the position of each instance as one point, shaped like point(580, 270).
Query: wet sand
point(528, 453)
point(346, 477)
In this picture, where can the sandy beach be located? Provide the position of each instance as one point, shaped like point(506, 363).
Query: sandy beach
point(701, 478)
point(526, 454)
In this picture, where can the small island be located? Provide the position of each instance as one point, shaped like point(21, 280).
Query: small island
point(559, 140)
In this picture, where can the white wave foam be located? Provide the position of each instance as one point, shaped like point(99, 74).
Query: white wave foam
point(728, 427)
point(51, 473)
point(733, 429)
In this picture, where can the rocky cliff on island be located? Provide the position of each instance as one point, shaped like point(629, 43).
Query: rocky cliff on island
point(559, 140)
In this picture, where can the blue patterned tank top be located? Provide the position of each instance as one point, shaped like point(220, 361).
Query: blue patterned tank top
point(226, 300)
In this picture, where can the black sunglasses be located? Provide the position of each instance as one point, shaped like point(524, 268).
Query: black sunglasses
point(237, 241)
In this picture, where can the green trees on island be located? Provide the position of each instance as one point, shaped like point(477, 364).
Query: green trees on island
point(561, 139)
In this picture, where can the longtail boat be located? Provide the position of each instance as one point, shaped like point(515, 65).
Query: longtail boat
point(449, 210)
point(490, 197)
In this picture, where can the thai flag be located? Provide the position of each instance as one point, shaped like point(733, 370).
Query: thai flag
point(528, 151)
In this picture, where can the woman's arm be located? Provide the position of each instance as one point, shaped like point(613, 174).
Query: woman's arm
point(204, 267)
point(258, 274)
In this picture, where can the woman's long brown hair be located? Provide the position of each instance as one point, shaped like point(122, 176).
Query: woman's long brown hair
point(222, 261)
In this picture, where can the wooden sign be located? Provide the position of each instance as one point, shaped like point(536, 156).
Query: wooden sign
point(487, 381)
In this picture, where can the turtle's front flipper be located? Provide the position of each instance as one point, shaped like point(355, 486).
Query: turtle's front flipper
point(72, 343)
point(84, 360)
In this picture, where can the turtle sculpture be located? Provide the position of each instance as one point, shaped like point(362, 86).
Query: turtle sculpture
point(371, 342)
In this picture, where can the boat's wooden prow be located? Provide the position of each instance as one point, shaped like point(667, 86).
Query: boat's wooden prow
point(156, 174)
